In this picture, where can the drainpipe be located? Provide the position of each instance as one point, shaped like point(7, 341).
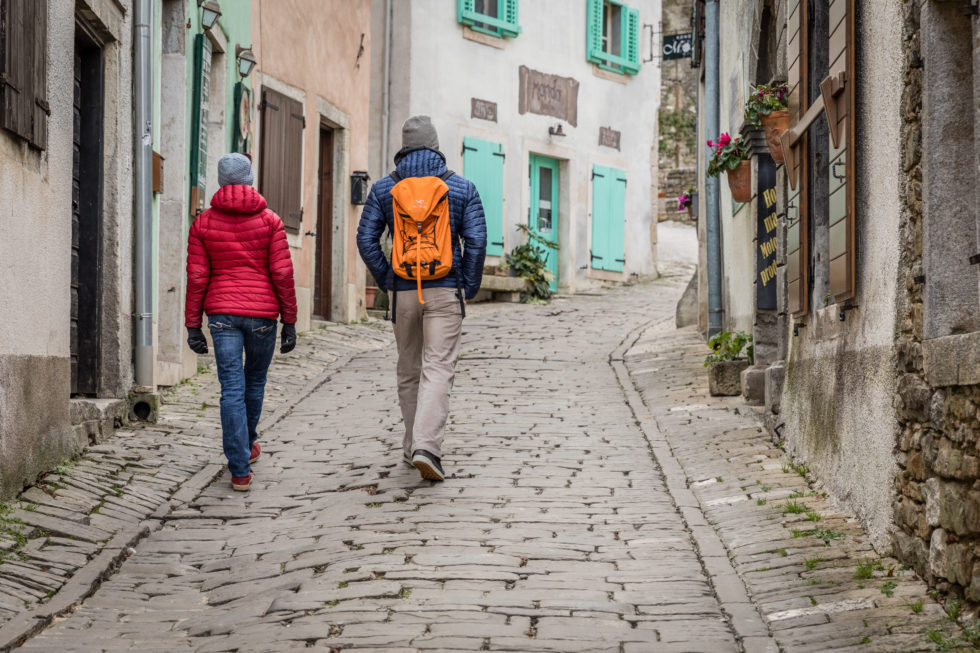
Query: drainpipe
point(386, 101)
point(142, 78)
point(711, 185)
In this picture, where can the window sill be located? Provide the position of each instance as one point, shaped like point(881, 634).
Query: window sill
point(952, 360)
point(605, 275)
point(609, 75)
point(471, 34)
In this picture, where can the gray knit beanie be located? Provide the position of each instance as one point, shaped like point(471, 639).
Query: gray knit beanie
point(418, 132)
point(235, 169)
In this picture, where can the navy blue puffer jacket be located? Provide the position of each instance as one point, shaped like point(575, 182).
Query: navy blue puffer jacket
point(468, 224)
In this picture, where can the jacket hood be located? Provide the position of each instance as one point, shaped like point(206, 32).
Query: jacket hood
point(238, 199)
point(420, 163)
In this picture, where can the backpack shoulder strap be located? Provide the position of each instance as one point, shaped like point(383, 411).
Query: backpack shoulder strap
point(446, 175)
point(395, 177)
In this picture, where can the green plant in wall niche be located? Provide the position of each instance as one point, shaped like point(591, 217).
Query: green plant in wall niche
point(730, 346)
point(529, 262)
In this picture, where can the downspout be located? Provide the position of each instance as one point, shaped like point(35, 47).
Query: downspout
point(386, 100)
point(142, 79)
point(713, 226)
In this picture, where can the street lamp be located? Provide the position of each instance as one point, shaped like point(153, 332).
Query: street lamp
point(210, 13)
point(246, 60)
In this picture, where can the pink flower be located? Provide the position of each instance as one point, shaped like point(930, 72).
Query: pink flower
point(710, 144)
point(724, 139)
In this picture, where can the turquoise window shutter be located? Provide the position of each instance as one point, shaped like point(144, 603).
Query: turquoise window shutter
point(465, 10)
point(483, 164)
point(513, 27)
point(631, 38)
point(617, 221)
point(600, 215)
point(593, 32)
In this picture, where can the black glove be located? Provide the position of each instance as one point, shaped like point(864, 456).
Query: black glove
point(196, 340)
point(288, 338)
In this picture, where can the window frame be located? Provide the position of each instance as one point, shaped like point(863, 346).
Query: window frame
point(502, 27)
point(627, 62)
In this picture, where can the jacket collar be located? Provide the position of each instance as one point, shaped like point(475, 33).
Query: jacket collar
point(420, 162)
point(238, 199)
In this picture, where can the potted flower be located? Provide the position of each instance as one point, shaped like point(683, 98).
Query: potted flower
point(731, 352)
point(767, 108)
point(686, 201)
point(732, 156)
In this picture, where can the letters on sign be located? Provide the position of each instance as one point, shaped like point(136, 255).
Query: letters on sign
point(609, 137)
point(766, 233)
point(483, 109)
point(678, 46)
point(548, 95)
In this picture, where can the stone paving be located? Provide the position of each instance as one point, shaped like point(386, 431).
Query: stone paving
point(574, 517)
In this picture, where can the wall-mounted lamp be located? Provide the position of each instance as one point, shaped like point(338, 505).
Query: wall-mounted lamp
point(246, 60)
point(556, 131)
point(211, 11)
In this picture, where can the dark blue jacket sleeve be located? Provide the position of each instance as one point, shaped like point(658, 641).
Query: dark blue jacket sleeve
point(369, 231)
point(474, 235)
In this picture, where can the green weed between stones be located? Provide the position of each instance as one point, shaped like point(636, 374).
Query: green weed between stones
point(917, 606)
point(811, 563)
point(761, 502)
point(888, 588)
point(793, 508)
point(867, 568)
point(824, 534)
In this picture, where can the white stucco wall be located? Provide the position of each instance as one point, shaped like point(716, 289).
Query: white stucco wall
point(436, 71)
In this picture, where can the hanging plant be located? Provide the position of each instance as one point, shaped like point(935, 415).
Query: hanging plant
point(684, 201)
point(728, 154)
point(763, 101)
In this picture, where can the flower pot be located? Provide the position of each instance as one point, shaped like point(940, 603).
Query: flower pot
point(740, 182)
point(725, 378)
point(369, 294)
point(775, 125)
point(690, 211)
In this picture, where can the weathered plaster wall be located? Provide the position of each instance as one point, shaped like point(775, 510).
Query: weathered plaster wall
point(837, 404)
point(552, 41)
point(319, 52)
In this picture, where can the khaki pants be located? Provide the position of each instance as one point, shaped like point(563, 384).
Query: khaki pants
point(428, 346)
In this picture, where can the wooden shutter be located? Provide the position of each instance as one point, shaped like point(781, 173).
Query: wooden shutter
point(483, 164)
point(512, 27)
point(24, 30)
point(838, 97)
point(281, 167)
point(593, 32)
point(797, 255)
point(608, 219)
point(631, 25)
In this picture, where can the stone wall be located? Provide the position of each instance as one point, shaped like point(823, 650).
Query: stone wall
point(937, 505)
point(677, 117)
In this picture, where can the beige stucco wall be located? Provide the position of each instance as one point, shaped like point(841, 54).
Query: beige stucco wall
point(309, 50)
point(839, 389)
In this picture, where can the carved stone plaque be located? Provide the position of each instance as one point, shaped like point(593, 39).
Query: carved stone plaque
point(548, 95)
point(609, 137)
point(483, 109)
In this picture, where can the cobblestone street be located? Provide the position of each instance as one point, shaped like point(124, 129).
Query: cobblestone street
point(574, 516)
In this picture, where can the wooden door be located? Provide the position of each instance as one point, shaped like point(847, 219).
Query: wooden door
point(86, 217)
point(323, 280)
point(544, 207)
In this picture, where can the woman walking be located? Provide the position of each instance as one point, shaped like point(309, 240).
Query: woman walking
point(240, 273)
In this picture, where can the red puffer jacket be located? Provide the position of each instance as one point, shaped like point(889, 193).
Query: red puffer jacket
point(238, 260)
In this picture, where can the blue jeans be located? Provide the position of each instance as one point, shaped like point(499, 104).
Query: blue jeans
point(242, 386)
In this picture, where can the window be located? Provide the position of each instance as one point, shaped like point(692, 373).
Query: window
point(608, 219)
point(23, 68)
point(613, 36)
point(483, 164)
point(495, 17)
point(821, 237)
point(281, 168)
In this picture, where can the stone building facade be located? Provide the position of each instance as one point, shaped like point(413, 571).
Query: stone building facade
point(872, 371)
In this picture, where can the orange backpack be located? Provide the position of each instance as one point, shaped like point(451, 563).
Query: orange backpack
point(422, 247)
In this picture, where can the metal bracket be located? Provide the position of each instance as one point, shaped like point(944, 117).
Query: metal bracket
point(975, 259)
point(833, 170)
point(843, 311)
point(796, 327)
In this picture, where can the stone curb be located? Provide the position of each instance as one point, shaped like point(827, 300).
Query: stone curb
point(743, 616)
point(88, 578)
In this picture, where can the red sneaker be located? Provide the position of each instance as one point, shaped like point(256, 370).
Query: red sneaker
point(256, 452)
point(241, 483)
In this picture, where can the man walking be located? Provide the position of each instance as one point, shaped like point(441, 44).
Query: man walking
point(437, 210)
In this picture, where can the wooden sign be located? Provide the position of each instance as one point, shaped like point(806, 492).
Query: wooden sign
point(548, 95)
point(767, 222)
point(483, 109)
point(609, 137)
